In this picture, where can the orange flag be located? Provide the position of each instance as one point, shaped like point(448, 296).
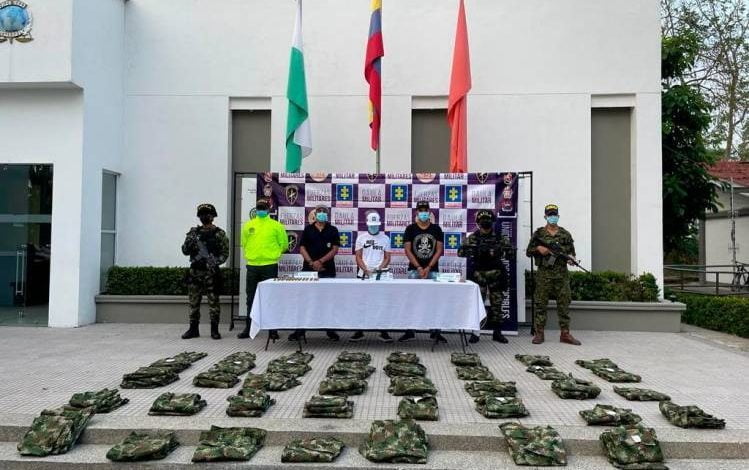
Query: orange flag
point(457, 106)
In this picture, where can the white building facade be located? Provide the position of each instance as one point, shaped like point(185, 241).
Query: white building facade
point(148, 91)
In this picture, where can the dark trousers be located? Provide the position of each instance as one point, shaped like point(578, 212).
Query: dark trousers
point(256, 275)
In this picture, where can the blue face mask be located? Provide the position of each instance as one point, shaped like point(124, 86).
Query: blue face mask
point(553, 219)
point(262, 214)
point(373, 229)
point(423, 216)
point(321, 217)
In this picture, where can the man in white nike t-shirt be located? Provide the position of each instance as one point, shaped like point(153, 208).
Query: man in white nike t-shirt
point(372, 254)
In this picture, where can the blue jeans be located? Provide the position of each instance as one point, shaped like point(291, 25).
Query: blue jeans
point(414, 274)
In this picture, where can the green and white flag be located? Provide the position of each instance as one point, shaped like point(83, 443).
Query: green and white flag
point(298, 131)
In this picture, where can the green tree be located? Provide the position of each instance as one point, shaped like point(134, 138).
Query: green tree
point(688, 189)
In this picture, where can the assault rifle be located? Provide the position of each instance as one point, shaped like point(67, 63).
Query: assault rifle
point(203, 256)
point(557, 252)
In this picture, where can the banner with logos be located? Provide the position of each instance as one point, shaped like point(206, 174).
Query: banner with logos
point(454, 198)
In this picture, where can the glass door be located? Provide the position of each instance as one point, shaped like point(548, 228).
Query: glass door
point(25, 243)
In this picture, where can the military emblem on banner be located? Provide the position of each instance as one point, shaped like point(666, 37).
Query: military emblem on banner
point(292, 194)
point(347, 243)
point(293, 241)
point(482, 178)
point(344, 195)
point(399, 195)
point(453, 196)
point(452, 242)
point(397, 242)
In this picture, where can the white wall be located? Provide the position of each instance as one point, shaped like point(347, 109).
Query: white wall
point(718, 241)
point(45, 126)
point(535, 66)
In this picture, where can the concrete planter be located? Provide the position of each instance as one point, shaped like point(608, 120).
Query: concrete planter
point(602, 316)
point(154, 309)
point(618, 316)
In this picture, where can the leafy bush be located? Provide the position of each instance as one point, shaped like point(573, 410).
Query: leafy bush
point(609, 286)
point(150, 280)
point(727, 314)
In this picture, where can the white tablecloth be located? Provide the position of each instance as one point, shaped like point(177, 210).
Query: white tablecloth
point(350, 304)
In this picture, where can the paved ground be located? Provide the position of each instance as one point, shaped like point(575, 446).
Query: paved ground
point(43, 367)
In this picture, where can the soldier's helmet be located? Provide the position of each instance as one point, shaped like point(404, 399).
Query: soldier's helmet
point(484, 214)
point(207, 209)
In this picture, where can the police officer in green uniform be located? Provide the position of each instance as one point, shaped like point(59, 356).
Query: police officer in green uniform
point(550, 246)
point(485, 249)
point(208, 248)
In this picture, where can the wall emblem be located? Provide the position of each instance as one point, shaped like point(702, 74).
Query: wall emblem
point(292, 193)
point(15, 21)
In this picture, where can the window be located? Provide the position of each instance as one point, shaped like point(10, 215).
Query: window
point(430, 141)
point(108, 225)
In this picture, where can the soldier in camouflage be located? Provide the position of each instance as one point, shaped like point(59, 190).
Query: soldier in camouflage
point(552, 249)
point(208, 248)
point(486, 249)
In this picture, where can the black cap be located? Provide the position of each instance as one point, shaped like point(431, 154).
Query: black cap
point(551, 209)
point(262, 204)
point(207, 209)
point(422, 205)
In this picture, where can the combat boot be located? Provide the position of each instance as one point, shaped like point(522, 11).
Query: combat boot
point(246, 332)
point(538, 338)
point(499, 337)
point(566, 337)
point(214, 330)
point(192, 332)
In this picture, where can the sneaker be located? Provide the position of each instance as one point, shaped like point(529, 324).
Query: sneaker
point(295, 336)
point(385, 337)
point(407, 336)
point(273, 335)
point(439, 338)
point(474, 339)
point(358, 336)
point(333, 336)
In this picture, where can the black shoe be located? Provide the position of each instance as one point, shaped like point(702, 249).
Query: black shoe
point(407, 336)
point(296, 336)
point(273, 335)
point(192, 332)
point(214, 330)
point(358, 336)
point(498, 337)
point(474, 338)
point(439, 338)
point(245, 333)
point(333, 336)
point(385, 337)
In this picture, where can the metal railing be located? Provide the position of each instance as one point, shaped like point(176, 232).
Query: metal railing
point(719, 279)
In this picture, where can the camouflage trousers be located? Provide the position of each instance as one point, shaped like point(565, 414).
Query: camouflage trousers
point(490, 283)
point(552, 285)
point(203, 283)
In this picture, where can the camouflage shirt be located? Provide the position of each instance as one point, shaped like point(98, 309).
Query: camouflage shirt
point(228, 444)
point(633, 447)
point(551, 263)
point(138, 446)
point(486, 250)
point(215, 241)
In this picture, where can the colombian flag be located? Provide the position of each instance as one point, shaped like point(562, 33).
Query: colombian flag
point(373, 71)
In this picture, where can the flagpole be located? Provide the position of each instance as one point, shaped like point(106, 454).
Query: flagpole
point(377, 168)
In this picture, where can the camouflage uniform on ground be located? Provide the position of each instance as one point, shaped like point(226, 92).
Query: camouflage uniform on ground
point(103, 401)
point(494, 407)
point(633, 447)
point(346, 356)
point(54, 431)
point(396, 442)
point(357, 370)
point(342, 386)
point(607, 415)
point(491, 387)
point(465, 359)
point(138, 446)
point(270, 381)
point(328, 406)
point(320, 449)
point(689, 416)
point(204, 277)
point(577, 389)
point(250, 403)
point(641, 394)
point(215, 379)
point(540, 446)
point(411, 386)
point(149, 377)
point(552, 277)
point(399, 356)
point(177, 404)
point(420, 409)
point(532, 360)
point(546, 373)
point(229, 444)
point(404, 369)
point(474, 373)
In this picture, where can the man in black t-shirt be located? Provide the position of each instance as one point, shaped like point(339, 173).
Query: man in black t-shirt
point(423, 247)
point(318, 246)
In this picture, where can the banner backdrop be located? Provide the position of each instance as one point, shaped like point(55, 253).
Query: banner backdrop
point(455, 198)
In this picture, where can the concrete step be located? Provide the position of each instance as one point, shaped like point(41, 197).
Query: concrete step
point(92, 457)
point(677, 443)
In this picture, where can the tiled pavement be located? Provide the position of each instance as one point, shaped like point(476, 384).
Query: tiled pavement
point(43, 367)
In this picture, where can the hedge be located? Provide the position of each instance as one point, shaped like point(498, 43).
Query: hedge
point(608, 286)
point(158, 281)
point(729, 314)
